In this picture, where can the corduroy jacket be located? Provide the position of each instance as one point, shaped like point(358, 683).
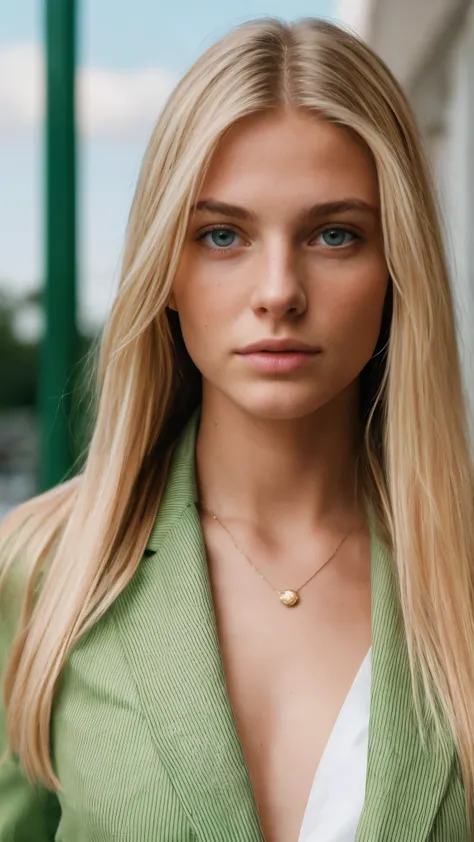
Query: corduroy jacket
point(143, 737)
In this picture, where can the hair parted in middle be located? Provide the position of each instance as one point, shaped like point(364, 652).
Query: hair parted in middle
point(414, 462)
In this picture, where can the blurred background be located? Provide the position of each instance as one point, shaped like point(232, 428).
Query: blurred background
point(81, 85)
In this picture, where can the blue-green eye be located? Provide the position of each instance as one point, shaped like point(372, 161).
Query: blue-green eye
point(220, 238)
point(336, 237)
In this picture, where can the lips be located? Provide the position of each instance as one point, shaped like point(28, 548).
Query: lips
point(279, 346)
point(284, 351)
point(278, 357)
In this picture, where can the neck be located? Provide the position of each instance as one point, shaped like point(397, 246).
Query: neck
point(274, 473)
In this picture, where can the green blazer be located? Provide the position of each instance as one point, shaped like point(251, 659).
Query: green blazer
point(143, 736)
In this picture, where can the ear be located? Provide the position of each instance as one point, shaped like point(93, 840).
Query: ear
point(172, 303)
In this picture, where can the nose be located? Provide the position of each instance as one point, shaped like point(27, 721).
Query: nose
point(278, 290)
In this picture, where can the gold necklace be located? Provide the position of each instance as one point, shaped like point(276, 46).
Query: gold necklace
point(288, 597)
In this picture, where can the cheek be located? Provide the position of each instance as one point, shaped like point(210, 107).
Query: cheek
point(354, 313)
point(196, 319)
point(207, 313)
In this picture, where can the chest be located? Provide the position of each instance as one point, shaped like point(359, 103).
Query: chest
point(144, 742)
point(288, 673)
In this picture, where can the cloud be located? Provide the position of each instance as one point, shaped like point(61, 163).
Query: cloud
point(21, 89)
point(110, 104)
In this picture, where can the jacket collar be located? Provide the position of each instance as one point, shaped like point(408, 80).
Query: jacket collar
point(180, 491)
point(167, 624)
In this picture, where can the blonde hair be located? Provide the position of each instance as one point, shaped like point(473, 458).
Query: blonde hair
point(85, 538)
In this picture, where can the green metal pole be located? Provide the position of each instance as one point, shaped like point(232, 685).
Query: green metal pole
point(60, 346)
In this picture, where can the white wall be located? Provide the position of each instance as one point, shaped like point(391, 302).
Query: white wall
point(456, 175)
point(405, 32)
point(356, 14)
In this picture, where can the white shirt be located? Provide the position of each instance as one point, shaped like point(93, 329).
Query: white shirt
point(337, 794)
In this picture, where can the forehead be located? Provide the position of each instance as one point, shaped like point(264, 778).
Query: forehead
point(294, 151)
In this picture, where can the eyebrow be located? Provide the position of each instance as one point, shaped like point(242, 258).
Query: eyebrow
point(313, 212)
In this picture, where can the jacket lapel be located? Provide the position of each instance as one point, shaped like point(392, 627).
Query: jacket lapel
point(406, 779)
point(167, 624)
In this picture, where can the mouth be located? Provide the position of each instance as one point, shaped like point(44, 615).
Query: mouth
point(276, 360)
point(275, 353)
point(279, 346)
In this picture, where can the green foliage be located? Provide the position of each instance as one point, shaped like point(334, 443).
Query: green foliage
point(18, 361)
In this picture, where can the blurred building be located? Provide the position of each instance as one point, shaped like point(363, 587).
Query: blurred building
point(429, 46)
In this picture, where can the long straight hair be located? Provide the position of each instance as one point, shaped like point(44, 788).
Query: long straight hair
point(76, 547)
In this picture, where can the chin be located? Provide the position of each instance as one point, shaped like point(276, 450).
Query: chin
point(279, 404)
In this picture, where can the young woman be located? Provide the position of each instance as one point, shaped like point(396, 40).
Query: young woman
point(251, 616)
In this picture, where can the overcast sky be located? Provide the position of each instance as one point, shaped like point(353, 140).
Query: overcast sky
point(130, 55)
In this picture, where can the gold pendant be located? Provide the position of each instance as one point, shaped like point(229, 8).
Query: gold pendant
point(289, 598)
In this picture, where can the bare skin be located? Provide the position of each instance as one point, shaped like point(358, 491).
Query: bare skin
point(276, 451)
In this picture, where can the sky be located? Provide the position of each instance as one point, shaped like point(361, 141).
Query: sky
point(130, 56)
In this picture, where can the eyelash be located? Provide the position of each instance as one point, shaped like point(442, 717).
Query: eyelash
point(200, 237)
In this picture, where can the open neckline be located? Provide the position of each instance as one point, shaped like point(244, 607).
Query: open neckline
point(306, 830)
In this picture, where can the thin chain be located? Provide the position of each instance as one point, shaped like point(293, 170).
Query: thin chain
point(211, 513)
